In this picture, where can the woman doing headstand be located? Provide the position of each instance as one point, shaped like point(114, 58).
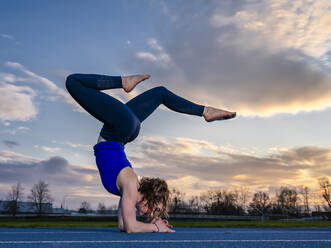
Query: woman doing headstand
point(121, 125)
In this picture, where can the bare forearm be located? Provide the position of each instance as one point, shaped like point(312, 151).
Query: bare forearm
point(139, 226)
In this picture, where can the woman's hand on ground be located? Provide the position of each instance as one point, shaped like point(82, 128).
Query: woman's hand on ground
point(164, 220)
point(162, 225)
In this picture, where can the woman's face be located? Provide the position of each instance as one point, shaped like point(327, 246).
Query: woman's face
point(143, 209)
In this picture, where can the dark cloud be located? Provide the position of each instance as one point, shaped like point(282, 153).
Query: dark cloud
point(85, 171)
point(54, 165)
point(56, 171)
point(10, 143)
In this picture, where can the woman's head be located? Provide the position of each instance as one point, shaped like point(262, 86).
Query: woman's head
point(156, 194)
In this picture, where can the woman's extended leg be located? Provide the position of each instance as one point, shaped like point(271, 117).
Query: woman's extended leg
point(118, 119)
point(144, 104)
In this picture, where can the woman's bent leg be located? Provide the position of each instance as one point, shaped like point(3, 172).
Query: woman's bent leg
point(144, 104)
point(118, 119)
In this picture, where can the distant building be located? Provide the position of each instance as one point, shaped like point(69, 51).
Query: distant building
point(60, 211)
point(26, 207)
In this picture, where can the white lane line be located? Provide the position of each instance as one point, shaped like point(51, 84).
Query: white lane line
point(165, 241)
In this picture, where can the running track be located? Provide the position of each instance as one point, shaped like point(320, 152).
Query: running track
point(183, 237)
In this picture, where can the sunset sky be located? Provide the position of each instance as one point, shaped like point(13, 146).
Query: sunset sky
point(270, 61)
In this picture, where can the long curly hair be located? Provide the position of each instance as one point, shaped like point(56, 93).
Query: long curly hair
point(155, 190)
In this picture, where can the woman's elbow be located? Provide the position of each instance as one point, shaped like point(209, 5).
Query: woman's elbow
point(129, 229)
point(121, 227)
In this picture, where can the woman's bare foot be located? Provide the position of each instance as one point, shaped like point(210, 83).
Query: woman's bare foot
point(129, 82)
point(213, 114)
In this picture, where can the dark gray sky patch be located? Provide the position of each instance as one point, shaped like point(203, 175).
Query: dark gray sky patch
point(54, 165)
point(56, 171)
point(19, 171)
point(10, 143)
point(86, 171)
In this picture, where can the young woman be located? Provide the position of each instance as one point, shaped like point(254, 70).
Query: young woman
point(121, 125)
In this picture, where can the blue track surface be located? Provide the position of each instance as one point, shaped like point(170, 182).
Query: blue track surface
point(183, 237)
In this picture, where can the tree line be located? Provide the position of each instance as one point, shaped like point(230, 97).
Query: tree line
point(291, 201)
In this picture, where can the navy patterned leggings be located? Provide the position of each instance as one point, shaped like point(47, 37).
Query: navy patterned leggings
point(122, 121)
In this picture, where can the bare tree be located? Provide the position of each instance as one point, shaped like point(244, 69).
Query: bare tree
point(85, 207)
point(112, 209)
point(193, 204)
point(316, 199)
point(242, 193)
point(222, 202)
point(260, 204)
point(176, 200)
point(287, 200)
point(40, 196)
point(101, 208)
point(14, 196)
point(326, 190)
point(206, 199)
point(304, 191)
